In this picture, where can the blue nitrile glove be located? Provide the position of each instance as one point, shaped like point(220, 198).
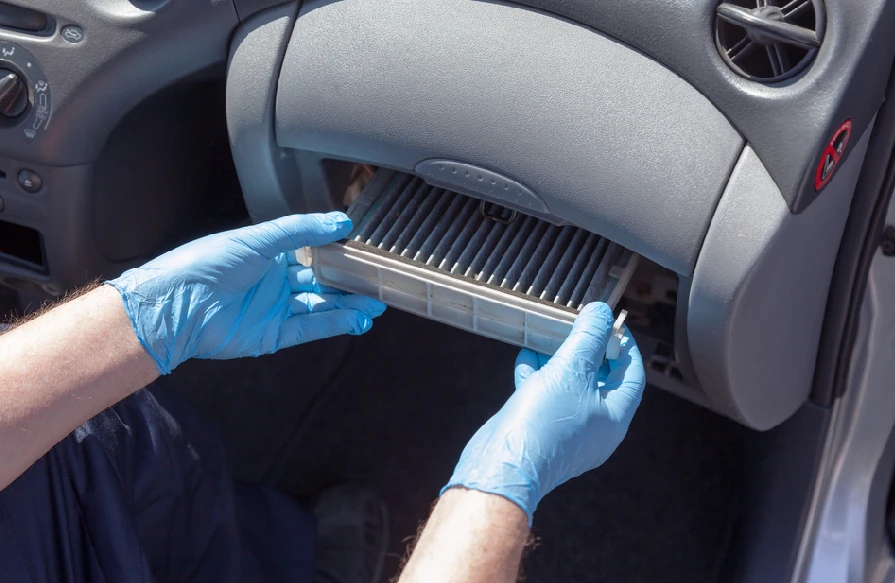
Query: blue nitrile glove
point(567, 416)
point(241, 293)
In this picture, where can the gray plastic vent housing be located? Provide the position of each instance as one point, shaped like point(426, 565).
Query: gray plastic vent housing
point(443, 256)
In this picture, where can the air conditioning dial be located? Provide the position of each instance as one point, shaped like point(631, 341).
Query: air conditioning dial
point(26, 97)
point(13, 94)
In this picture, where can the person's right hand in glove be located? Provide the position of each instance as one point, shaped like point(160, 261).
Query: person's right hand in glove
point(567, 416)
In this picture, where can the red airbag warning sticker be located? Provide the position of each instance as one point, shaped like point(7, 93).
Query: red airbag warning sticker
point(832, 154)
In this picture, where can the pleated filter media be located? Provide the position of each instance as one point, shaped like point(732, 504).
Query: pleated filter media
point(471, 263)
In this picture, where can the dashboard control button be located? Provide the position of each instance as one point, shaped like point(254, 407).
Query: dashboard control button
point(72, 34)
point(13, 94)
point(29, 181)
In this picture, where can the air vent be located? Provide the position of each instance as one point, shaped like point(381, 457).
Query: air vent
point(768, 40)
point(471, 263)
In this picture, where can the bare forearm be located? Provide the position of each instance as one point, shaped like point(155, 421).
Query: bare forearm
point(471, 537)
point(61, 369)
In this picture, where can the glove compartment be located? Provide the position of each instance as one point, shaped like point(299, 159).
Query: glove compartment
point(598, 134)
point(556, 120)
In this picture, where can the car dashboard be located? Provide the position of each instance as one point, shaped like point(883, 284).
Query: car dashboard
point(719, 142)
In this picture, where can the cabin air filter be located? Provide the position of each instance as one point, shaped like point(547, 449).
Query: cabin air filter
point(470, 263)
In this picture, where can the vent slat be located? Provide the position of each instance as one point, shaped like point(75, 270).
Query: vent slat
point(422, 211)
point(563, 296)
point(476, 241)
point(494, 259)
point(406, 209)
point(483, 253)
point(512, 251)
point(529, 248)
point(391, 216)
point(596, 258)
point(374, 217)
point(600, 280)
point(439, 228)
point(563, 265)
point(450, 232)
point(535, 263)
point(443, 200)
point(550, 262)
point(453, 232)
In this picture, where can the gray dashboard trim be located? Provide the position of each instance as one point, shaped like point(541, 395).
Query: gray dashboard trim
point(266, 175)
point(787, 124)
point(609, 139)
point(759, 291)
point(129, 51)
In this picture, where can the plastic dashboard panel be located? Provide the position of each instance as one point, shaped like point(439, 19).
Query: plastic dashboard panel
point(788, 124)
point(759, 291)
point(128, 52)
point(606, 137)
point(588, 130)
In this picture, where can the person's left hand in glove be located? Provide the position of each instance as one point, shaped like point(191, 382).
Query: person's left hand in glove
point(241, 293)
point(233, 294)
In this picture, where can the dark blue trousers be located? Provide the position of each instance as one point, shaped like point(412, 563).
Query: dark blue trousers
point(141, 493)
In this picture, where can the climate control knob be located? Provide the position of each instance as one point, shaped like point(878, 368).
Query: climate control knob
point(13, 94)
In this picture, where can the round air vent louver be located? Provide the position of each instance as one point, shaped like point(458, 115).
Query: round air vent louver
point(769, 40)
